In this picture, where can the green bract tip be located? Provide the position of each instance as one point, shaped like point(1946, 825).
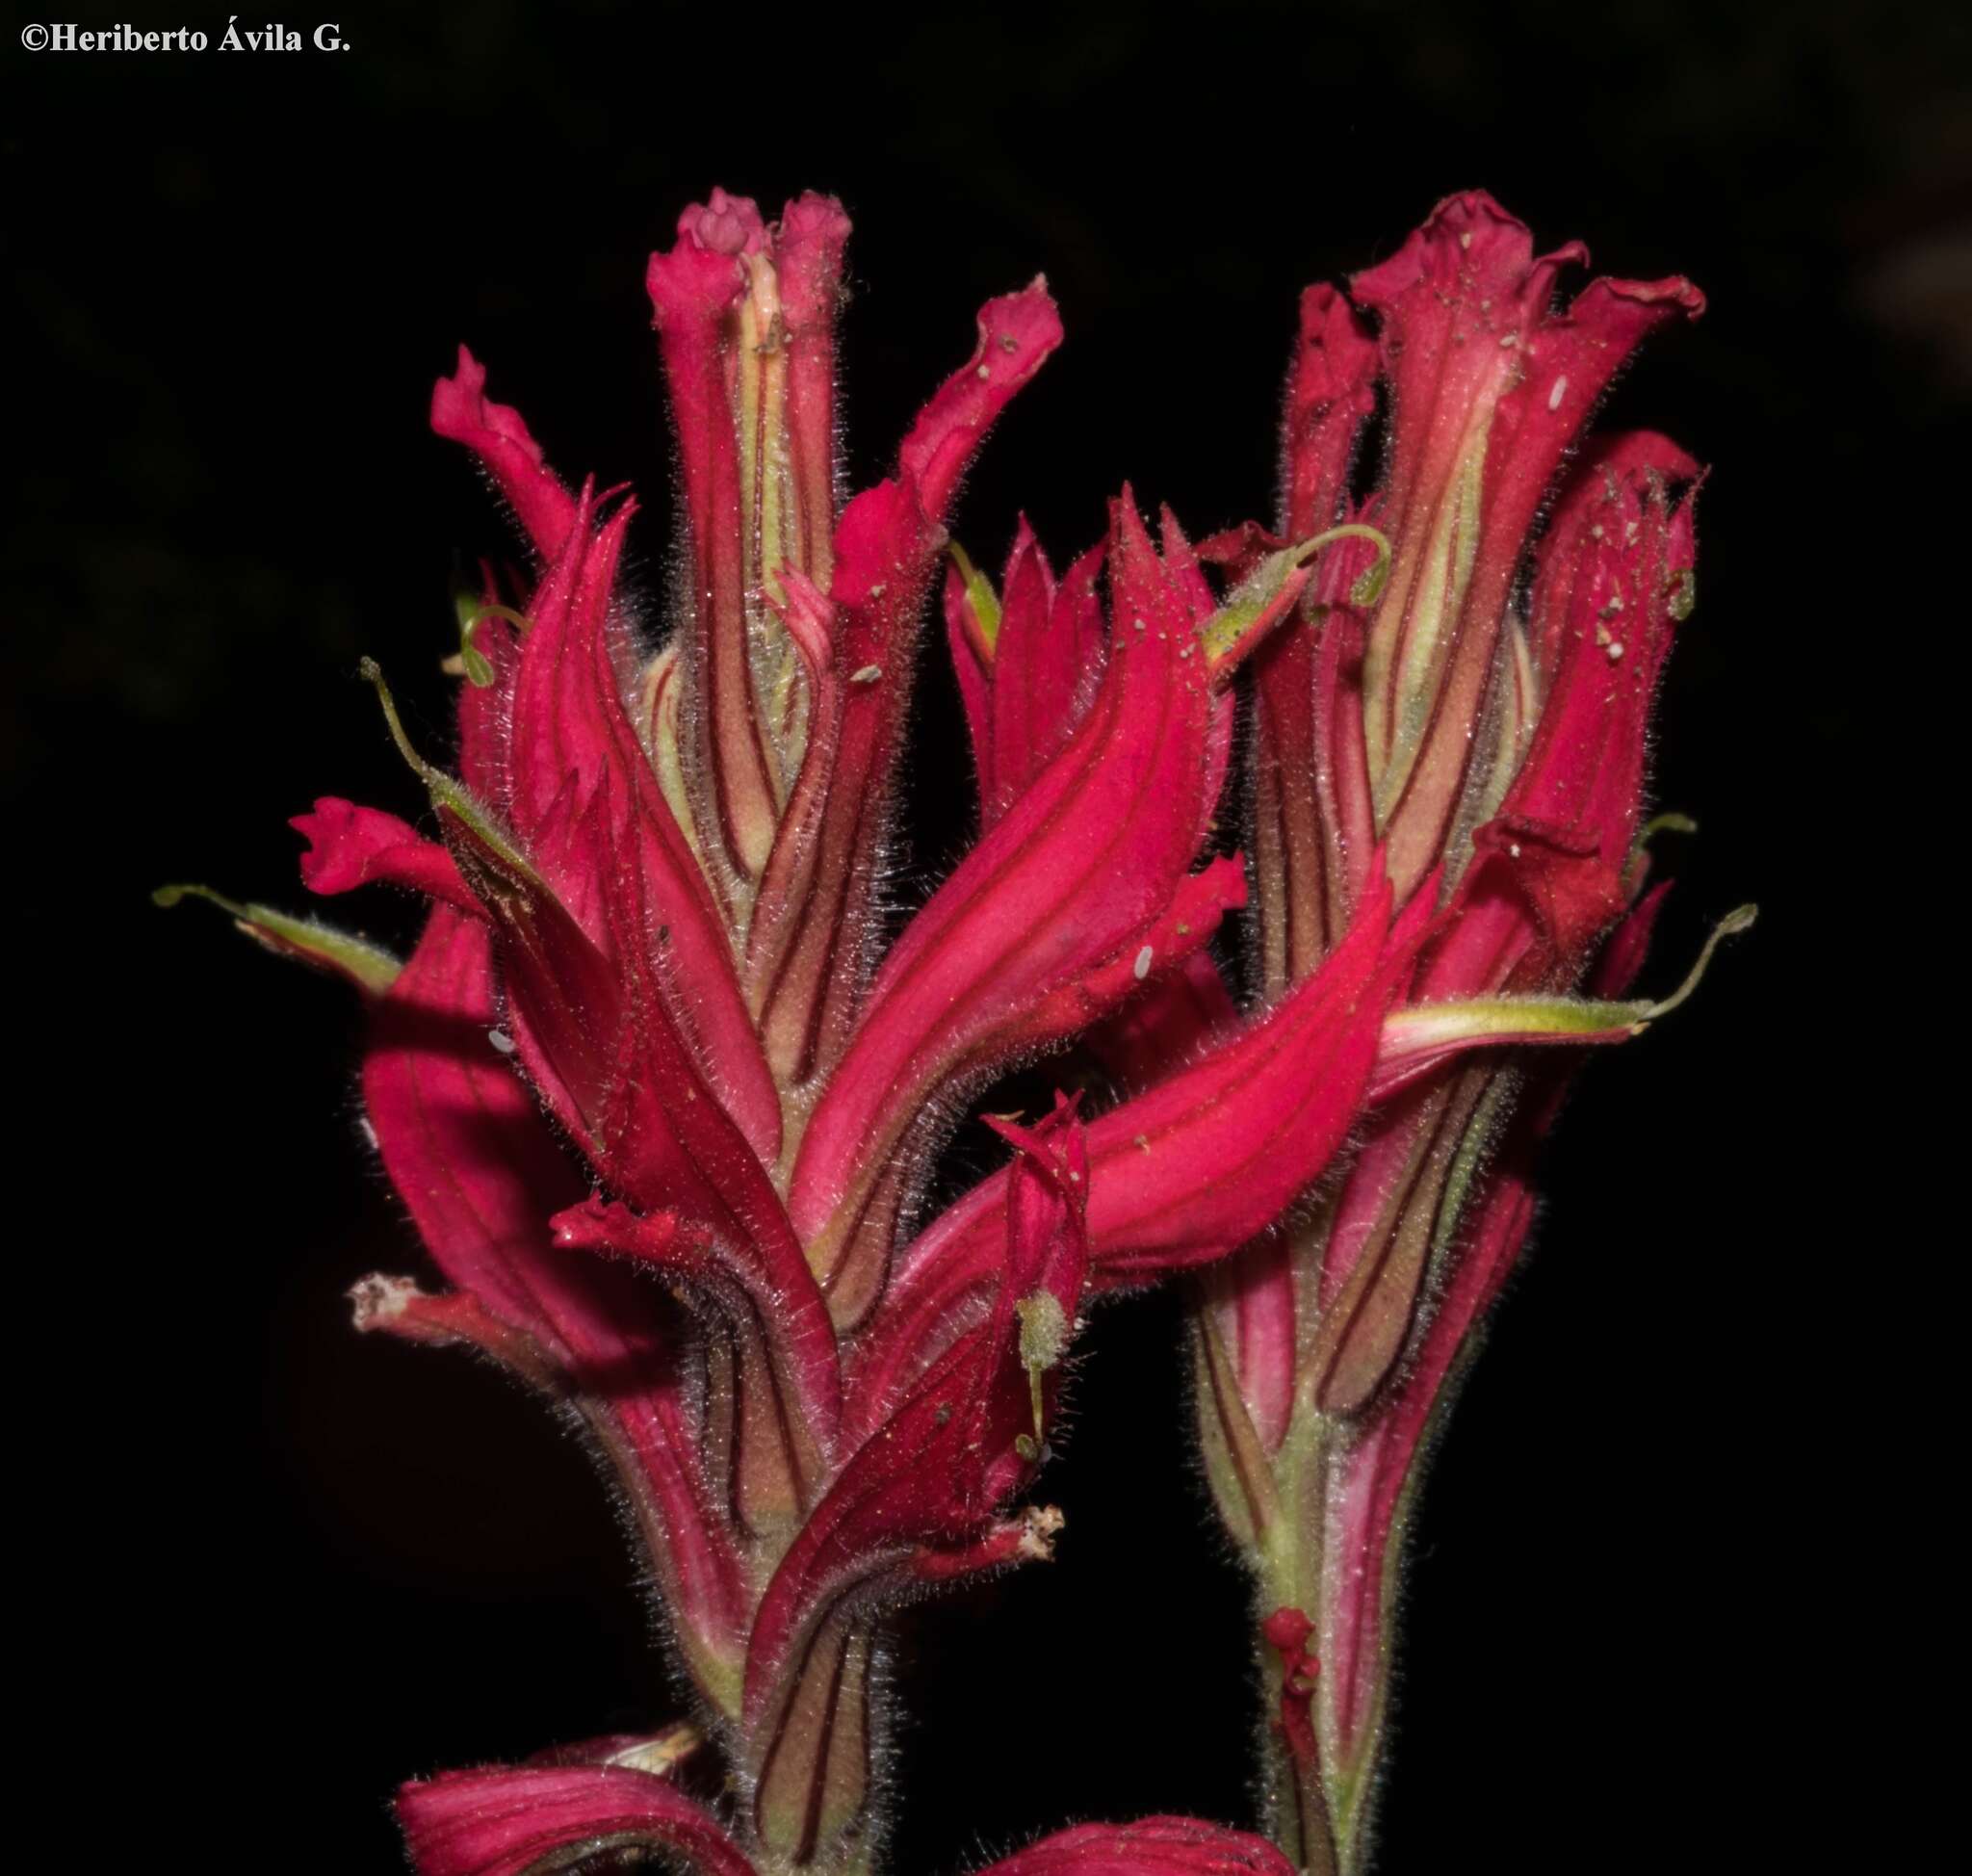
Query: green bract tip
point(370, 966)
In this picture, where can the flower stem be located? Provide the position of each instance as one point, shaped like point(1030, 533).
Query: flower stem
point(1299, 1816)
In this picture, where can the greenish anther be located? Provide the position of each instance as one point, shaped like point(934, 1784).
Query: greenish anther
point(1044, 1338)
point(477, 665)
point(1684, 595)
point(979, 594)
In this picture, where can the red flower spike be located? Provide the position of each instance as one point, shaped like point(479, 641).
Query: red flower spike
point(1154, 1846)
point(510, 1820)
point(1499, 758)
point(653, 919)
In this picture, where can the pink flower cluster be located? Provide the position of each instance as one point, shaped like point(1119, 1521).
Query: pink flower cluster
point(662, 1104)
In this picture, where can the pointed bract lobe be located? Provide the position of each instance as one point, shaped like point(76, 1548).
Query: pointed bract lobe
point(1029, 679)
point(1017, 333)
point(368, 967)
point(499, 436)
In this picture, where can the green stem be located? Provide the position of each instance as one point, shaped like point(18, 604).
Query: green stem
point(1300, 1819)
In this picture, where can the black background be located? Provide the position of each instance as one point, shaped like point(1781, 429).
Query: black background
point(293, 1566)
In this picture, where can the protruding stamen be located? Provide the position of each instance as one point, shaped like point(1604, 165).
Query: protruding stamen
point(1665, 824)
point(662, 1753)
point(170, 896)
point(1739, 918)
point(446, 794)
point(1369, 584)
